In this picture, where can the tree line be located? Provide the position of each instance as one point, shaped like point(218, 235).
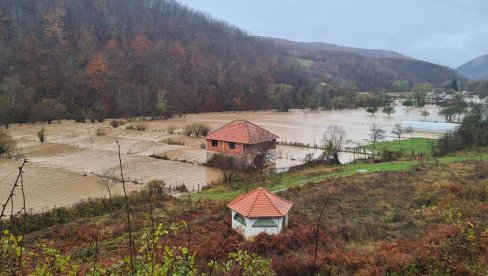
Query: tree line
point(97, 58)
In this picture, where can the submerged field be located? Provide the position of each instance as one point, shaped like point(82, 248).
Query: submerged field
point(77, 159)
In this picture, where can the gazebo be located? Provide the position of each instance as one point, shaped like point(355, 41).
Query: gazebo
point(259, 211)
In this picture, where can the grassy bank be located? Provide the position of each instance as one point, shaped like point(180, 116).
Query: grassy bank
point(288, 180)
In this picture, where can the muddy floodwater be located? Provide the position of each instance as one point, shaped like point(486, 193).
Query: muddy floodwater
point(308, 127)
point(75, 163)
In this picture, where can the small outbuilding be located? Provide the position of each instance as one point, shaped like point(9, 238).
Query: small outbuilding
point(259, 211)
point(241, 139)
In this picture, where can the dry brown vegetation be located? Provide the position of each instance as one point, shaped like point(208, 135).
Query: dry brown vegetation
point(101, 132)
point(424, 221)
point(7, 143)
point(137, 126)
point(117, 123)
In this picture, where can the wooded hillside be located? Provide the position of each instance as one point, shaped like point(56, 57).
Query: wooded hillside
point(88, 59)
point(362, 69)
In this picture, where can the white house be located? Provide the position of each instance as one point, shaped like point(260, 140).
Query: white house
point(259, 211)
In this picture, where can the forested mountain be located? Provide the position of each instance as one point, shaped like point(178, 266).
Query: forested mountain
point(320, 46)
point(97, 58)
point(476, 69)
point(362, 69)
point(119, 56)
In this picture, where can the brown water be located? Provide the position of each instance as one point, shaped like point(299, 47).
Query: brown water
point(65, 169)
point(308, 127)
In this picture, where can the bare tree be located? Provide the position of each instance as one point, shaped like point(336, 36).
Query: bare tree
point(333, 139)
point(377, 134)
point(398, 131)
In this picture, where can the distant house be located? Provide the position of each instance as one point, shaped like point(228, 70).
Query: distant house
point(259, 211)
point(241, 139)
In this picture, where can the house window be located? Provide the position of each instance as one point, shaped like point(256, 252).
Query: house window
point(232, 145)
point(215, 143)
point(264, 223)
point(239, 218)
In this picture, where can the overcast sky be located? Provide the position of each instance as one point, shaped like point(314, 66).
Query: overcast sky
point(448, 32)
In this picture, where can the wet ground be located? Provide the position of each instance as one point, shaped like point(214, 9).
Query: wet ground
point(72, 163)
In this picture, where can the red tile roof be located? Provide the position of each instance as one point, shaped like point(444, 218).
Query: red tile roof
point(243, 132)
point(260, 203)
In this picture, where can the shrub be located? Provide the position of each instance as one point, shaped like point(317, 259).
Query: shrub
point(187, 130)
point(141, 126)
point(137, 126)
point(7, 143)
point(196, 129)
point(171, 141)
point(41, 134)
point(101, 132)
point(171, 129)
point(201, 130)
point(79, 116)
point(117, 123)
point(156, 187)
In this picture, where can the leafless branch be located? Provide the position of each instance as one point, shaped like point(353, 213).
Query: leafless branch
point(24, 222)
point(12, 191)
point(317, 231)
point(131, 243)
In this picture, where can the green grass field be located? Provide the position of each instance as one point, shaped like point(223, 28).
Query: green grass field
point(415, 145)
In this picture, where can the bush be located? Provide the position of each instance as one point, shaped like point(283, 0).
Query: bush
point(171, 129)
point(187, 130)
point(79, 116)
point(141, 126)
point(117, 123)
point(7, 143)
point(101, 132)
point(196, 129)
point(171, 141)
point(41, 134)
point(138, 126)
point(156, 187)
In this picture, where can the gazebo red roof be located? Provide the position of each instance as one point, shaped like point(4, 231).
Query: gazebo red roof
point(243, 132)
point(260, 203)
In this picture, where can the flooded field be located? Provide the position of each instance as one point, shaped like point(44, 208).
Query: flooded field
point(74, 162)
point(308, 127)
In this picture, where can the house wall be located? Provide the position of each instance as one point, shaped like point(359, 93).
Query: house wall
point(249, 232)
point(223, 147)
